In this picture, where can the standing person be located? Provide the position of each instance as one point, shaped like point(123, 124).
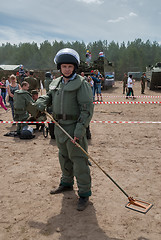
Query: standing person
point(129, 85)
point(47, 81)
point(71, 99)
point(88, 57)
point(21, 100)
point(95, 86)
point(1, 99)
point(7, 84)
point(125, 83)
point(101, 54)
point(143, 79)
point(99, 78)
point(21, 73)
point(3, 89)
point(33, 83)
point(83, 75)
point(91, 82)
point(12, 87)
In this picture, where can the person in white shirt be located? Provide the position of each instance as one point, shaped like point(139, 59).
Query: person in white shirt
point(129, 86)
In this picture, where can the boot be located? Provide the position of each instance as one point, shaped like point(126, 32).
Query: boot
point(61, 189)
point(82, 203)
point(88, 133)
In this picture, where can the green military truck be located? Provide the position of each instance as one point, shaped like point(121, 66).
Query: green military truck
point(153, 75)
point(105, 67)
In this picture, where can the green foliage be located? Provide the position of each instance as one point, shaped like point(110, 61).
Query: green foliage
point(133, 56)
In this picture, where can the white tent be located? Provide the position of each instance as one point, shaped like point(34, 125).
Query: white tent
point(9, 67)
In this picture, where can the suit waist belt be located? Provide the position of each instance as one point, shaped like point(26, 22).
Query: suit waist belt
point(65, 117)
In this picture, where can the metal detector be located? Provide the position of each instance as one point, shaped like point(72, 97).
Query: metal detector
point(133, 204)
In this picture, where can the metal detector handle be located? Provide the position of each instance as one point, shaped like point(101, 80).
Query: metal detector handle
point(78, 145)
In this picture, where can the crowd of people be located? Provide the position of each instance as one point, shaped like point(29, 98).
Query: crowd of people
point(95, 80)
point(128, 82)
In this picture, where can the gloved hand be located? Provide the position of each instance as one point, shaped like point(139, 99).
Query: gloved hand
point(32, 109)
point(39, 106)
point(41, 117)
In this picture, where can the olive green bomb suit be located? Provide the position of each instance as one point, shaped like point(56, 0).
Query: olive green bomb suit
point(22, 99)
point(72, 107)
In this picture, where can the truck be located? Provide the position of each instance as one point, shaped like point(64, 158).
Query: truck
point(153, 75)
point(105, 68)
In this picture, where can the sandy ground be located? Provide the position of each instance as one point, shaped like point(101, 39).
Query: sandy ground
point(130, 153)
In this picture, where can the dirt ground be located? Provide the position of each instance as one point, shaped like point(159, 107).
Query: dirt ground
point(130, 153)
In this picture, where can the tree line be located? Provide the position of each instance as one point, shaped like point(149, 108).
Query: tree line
point(131, 57)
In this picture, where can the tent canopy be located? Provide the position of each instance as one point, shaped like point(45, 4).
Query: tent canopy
point(9, 67)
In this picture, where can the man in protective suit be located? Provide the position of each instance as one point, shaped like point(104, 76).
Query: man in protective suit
point(72, 106)
point(22, 98)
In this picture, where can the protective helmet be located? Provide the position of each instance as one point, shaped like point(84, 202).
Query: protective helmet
point(48, 74)
point(67, 55)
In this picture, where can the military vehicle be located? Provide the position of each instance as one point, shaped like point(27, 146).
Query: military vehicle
point(135, 75)
point(105, 67)
point(153, 75)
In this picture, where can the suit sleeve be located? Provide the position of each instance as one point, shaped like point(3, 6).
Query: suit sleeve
point(85, 101)
point(43, 101)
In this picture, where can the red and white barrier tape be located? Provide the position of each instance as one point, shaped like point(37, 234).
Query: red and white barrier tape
point(35, 122)
point(126, 102)
point(31, 122)
point(134, 96)
point(140, 122)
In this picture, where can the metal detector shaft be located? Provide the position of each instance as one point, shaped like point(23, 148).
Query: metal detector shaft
point(78, 145)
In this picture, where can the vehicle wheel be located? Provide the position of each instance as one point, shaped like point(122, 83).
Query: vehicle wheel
point(148, 85)
point(152, 87)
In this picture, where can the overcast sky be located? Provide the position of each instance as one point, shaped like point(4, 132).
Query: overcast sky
point(79, 20)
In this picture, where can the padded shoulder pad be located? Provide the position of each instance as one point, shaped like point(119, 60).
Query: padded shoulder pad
point(54, 83)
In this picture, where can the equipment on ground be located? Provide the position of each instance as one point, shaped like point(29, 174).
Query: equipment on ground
point(27, 133)
point(153, 75)
point(133, 204)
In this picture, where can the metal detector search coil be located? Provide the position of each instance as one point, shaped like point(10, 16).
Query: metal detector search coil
point(139, 206)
